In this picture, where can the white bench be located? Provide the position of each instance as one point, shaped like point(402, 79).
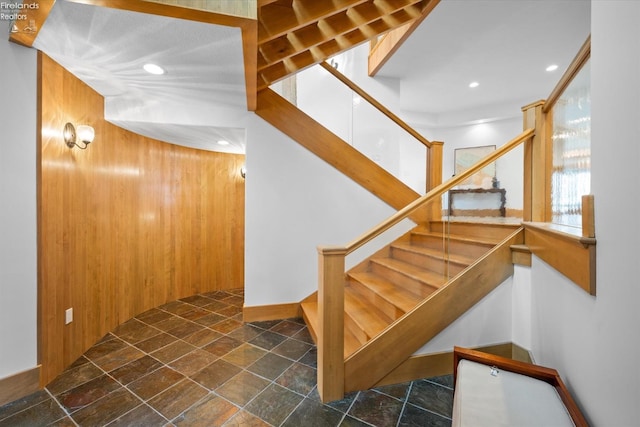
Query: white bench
point(494, 391)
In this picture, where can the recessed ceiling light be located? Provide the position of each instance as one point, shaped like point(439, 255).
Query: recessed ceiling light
point(153, 69)
point(474, 84)
point(552, 67)
point(223, 142)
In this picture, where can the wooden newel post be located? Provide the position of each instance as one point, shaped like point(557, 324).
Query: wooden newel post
point(434, 177)
point(331, 281)
point(535, 181)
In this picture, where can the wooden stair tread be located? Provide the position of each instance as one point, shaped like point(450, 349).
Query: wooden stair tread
point(435, 253)
point(398, 296)
point(459, 238)
point(429, 278)
point(310, 313)
point(363, 314)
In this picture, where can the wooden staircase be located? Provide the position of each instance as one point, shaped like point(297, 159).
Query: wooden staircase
point(295, 34)
point(393, 281)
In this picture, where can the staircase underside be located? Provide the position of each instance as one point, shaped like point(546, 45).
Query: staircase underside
point(295, 34)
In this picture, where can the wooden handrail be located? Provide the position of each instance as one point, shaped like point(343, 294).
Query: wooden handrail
point(576, 65)
point(357, 89)
point(436, 192)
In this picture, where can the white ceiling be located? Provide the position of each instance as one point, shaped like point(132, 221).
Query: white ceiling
point(505, 45)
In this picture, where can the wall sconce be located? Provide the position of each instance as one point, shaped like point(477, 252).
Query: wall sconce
point(84, 134)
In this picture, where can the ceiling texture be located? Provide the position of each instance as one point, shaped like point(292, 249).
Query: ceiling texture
point(504, 45)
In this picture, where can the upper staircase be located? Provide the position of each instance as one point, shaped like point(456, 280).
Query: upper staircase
point(295, 34)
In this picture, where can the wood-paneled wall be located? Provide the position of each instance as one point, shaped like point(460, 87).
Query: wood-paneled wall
point(126, 225)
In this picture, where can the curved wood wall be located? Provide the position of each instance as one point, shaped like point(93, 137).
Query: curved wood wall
point(126, 225)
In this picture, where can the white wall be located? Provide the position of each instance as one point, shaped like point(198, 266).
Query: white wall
point(17, 207)
point(593, 341)
point(295, 202)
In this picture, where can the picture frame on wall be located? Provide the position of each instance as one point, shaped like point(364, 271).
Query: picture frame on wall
point(466, 157)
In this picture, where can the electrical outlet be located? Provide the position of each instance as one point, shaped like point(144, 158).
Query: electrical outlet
point(68, 316)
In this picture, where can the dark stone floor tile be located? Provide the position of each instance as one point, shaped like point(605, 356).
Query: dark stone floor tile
point(79, 362)
point(236, 300)
point(215, 306)
point(23, 403)
point(445, 380)
point(142, 416)
point(185, 330)
point(173, 351)
point(399, 391)
point(433, 397)
point(349, 421)
point(222, 346)
point(174, 400)
point(105, 348)
point(155, 343)
point(287, 327)
point(195, 314)
point(299, 378)
point(63, 422)
point(133, 331)
point(226, 326)
point(270, 366)
point(304, 335)
point(265, 324)
point(203, 337)
point(268, 340)
point(245, 333)
point(106, 409)
point(176, 307)
point(193, 362)
point(87, 393)
point(74, 377)
point(292, 349)
point(244, 355)
point(212, 411)
point(135, 370)
point(197, 300)
point(311, 358)
point(341, 405)
point(313, 413)
point(210, 319)
point(118, 358)
point(156, 382)
point(41, 414)
point(216, 374)
point(229, 311)
point(376, 408)
point(274, 404)
point(245, 419)
point(171, 323)
point(153, 316)
point(412, 416)
point(242, 388)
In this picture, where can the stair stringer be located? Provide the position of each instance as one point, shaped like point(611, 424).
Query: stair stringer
point(316, 138)
point(383, 353)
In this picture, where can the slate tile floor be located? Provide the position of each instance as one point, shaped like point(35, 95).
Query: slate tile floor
point(192, 362)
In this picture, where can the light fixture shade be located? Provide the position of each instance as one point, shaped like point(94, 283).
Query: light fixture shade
point(85, 134)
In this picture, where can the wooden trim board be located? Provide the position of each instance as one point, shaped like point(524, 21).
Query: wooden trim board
point(438, 364)
point(258, 313)
point(19, 385)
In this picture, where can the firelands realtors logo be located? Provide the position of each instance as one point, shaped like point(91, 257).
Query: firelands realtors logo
point(14, 11)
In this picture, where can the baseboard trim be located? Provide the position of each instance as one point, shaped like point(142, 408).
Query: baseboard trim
point(259, 313)
point(437, 364)
point(19, 385)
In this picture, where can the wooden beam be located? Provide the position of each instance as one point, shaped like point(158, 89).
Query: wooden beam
point(391, 42)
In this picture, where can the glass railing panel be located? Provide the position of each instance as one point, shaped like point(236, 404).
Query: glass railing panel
point(334, 105)
point(571, 150)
